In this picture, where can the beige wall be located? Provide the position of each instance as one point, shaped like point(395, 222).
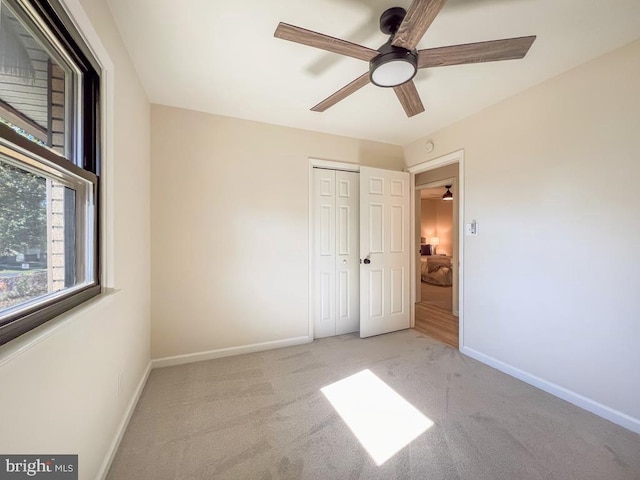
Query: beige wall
point(230, 227)
point(437, 221)
point(61, 395)
point(444, 227)
point(551, 282)
point(437, 174)
point(429, 219)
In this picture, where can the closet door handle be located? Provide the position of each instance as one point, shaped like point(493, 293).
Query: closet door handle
point(366, 261)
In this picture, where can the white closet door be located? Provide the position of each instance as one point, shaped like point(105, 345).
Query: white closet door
point(325, 252)
point(336, 250)
point(384, 248)
point(347, 252)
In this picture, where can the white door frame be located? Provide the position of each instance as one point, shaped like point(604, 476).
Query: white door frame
point(329, 165)
point(454, 157)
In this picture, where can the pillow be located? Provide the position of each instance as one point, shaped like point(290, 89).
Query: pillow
point(425, 249)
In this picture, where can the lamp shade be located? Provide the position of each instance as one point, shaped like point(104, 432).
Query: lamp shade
point(423, 239)
point(435, 241)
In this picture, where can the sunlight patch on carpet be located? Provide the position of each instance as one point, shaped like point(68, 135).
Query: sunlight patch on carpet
point(380, 418)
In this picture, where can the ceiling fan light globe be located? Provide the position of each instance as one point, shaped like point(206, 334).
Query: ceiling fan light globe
point(393, 73)
point(393, 67)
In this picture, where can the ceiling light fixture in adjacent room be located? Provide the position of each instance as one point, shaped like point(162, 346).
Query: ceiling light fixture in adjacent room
point(447, 195)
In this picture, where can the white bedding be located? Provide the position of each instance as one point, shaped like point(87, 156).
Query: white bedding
point(436, 269)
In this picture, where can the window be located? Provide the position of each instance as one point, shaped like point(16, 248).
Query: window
point(49, 91)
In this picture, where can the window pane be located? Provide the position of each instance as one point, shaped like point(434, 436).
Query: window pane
point(32, 84)
point(49, 93)
point(38, 242)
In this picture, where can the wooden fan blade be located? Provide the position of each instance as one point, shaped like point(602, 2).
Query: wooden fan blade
point(492, 51)
point(324, 42)
point(419, 17)
point(409, 98)
point(343, 93)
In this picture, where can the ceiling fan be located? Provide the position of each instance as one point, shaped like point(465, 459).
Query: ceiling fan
point(396, 62)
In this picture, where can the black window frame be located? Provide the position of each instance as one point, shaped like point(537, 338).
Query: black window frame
point(84, 164)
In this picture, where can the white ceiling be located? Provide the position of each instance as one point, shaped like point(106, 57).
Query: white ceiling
point(221, 57)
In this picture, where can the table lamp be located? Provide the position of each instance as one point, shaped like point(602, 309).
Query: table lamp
point(435, 241)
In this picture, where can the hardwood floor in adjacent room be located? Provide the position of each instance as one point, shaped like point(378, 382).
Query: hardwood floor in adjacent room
point(437, 323)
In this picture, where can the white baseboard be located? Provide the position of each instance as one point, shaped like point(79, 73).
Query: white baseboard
point(113, 448)
point(228, 352)
point(581, 401)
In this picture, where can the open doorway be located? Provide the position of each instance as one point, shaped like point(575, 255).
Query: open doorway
point(436, 246)
point(437, 229)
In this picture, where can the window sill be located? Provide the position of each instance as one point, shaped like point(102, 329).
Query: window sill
point(25, 342)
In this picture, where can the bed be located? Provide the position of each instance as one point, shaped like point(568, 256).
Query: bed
point(436, 270)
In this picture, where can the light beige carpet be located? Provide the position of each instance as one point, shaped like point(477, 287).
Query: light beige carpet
point(262, 416)
point(436, 295)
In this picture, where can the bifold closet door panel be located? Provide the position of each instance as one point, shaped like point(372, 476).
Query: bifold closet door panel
point(324, 252)
point(347, 252)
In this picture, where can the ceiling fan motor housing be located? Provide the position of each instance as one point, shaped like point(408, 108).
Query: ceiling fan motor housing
point(391, 19)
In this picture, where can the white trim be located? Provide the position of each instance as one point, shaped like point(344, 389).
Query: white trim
point(78, 16)
point(228, 352)
point(115, 443)
point(311, 257)
point(331, 165)
point(450, 158)
point(412, 257)
point(570, 396)
point(107, 197)
point(447, 159)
